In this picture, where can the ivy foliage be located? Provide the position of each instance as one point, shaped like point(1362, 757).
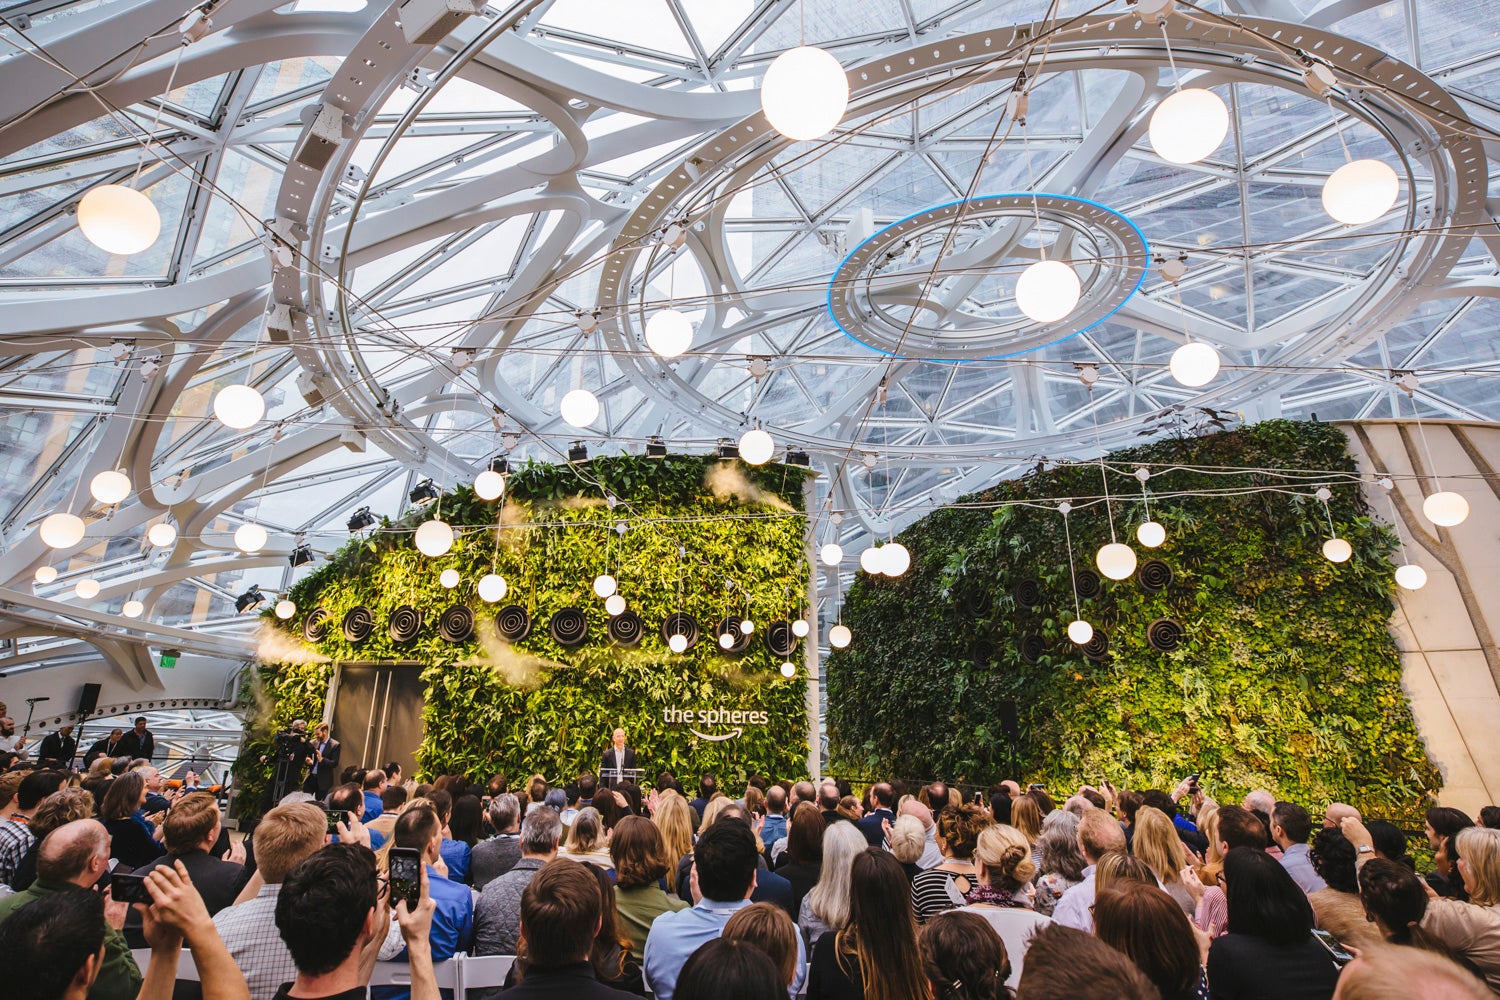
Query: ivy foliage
point(1287, 677)
point(281, 694)
point(537, 706)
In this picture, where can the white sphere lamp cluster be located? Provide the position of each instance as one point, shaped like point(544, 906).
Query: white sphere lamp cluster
point(605, 586)
point(250, 537)
point(831, 554)
point(891, 559)
point(1151, 534)
point(839, 636)
point(1116, 560)
point(1360, 191)
point(118, 220)
point(1189, 125)
point(1194, 364)
point(449, 578)
point(1446, 509)
point(1411, 577)
point(1337, 550)
point(492, 588)
point(1080, 631)
point(110, 487)
point(161, 534)
point(756, 447)
point(1047, 291)
point(434, 538)
point(805, 93)
point(61, 530)
point(285, 609)
point(489, 485)
point(580, 408)
point(239, 406)
point(669, 333)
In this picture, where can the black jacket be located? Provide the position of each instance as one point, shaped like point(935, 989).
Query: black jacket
point(218, 882)
point(56, 747)
point(327, 763)
point(569, 982)
point(607, 760)
point(102, 748)
point(134, 746)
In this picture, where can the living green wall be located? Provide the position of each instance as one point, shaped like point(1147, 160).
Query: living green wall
point(536, 706)
point(1287, 678)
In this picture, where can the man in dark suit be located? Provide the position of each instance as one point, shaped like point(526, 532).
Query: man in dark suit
point(138, 742)
point(323, 774)
point(57, 749)
point(872, 825)
point(189, 832)
point(107, 747)
point(618, 756)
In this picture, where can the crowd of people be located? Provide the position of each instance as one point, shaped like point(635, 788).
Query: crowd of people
point(767, 891)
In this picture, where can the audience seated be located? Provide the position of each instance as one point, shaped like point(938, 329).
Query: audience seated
point(63, 806)
point(497, 912)
point(15, 832)
point(730, 970)
point(640, 863)
point(452, 920)
point(876, 954)
point(826, 906)
point(133, 840)
point(1145, 925)
point(560, 908)
point(492, 858)
point(768, 928)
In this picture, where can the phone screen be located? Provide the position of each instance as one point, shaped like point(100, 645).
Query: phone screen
point(335, 817)
point(1341, 955)
point(406, 876)
point(129, 889)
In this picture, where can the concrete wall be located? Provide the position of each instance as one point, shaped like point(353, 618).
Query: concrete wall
point(1446, 630)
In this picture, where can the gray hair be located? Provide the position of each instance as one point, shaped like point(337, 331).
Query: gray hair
point(829, 899)
point(504, 811)
point(908, 839)
point(541, 831)
point(291, 798)
point(1058, 845)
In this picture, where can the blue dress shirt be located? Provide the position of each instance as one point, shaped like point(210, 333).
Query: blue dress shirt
point(452, 925)
point(373, 807)
point(456, 856)
point(675, 936)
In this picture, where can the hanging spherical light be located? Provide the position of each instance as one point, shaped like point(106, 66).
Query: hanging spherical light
point(805, 93)
point(118, 219)
point(488, 485)
point(250, 537)
point(1116, 560)
point(87, 589)
point(434, 538)
point(832, 554)
point(800, 628)
point(604, 585)
point(492, 588)
point(1080, 631)
point(614, 604)
point(1194, 363)
point(726, 640)
point(747, 627)
point(1337, 550)
point(678, 643)
point(1446, 509)
point(162, 534)
point(239, 406)
point(756, 446)
point(61, 531)
point(45, 574)
point(449, 578)
point(1411, 576)
point(1188, 125)
point(1047, 291)
point(580, 408)
point(788, 670)
point(134, 609)
point(839, 636)
point(871, 561)
point(1150, 534)
point(1360, 192)
point(669, 333)
point(285, 609)
point(110, 487)
point(895, 558)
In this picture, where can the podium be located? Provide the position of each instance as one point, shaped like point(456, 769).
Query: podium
point(612, 776)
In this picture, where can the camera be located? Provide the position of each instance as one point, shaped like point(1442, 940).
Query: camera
point(129, 889)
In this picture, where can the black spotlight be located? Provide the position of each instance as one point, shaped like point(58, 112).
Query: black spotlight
point(578, 453)
point(727, 449)
point(656, 447)
point(796, 456)
point(361, 519)
point(249, 600)
point(423, 493)
point(301, 555)
point(500, 464)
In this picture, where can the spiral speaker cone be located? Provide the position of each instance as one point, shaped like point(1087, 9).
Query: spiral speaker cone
point(1165, 635)
point(1089, 585)
point(359, 623)
point(779, 638)
point(1097, 648)
point(739, 641)
point(683, 624)
point(315, 625)
point(1031, 648)
point(1028, 592)
point(569, 627)
point(513, 622)
point(405, 623)
point(457, 623)
point(626, 628)
point(1155, 576)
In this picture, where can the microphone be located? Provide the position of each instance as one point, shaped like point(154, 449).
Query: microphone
point(33, 701)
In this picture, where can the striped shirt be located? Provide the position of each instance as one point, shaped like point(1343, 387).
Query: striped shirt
point(249, 932)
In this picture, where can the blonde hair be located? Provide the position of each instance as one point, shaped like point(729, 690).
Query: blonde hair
point(587, 832)
point(1479, 851)
point(676, 825)
point(285, 836)
point(1026, 816)
point(1004, 857)
point(716, 805)
point(908, 839)
point(1155, 842)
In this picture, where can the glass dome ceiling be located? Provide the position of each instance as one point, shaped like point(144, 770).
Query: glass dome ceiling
point(499, 212)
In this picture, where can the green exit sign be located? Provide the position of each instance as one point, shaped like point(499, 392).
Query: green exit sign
point(169, 658)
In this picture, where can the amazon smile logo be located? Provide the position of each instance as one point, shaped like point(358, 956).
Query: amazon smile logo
point(708, 718)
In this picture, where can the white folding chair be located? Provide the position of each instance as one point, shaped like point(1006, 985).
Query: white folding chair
point(186, 969)
point(482, 972)
point(399, 974)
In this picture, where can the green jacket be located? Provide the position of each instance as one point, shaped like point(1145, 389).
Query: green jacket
point(120, 978)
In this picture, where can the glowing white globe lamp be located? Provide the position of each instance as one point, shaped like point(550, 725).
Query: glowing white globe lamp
point(805, 93)
point(87, 589)
point(434, 538)
point(614, 604)
point(1116, 561)
point(605, 585)
point(239, 406)
point(489, 485)
point(1194, 363)
point(756, 446)
point(134, 609)
point(1446, 509)
point(678, 643)
point(871, 561)
point(110, 487)
point(800, 628)
point(45, 574)
point(1189, 125)
point(118, 219)
point(580, 408)
point(669, 333)
point(250, 537)
point(1150, 534)
point(832, 554)
point(449, 578)
point(1411, 576)
point(839, 636)
point(1360, 191)
point(1047, 291)
point(895, 558)
point(788, 670)
point(747, 627)
point(162, 534)
point(61, 531)
point(492, 588)
point(1080, 631)
point(285, 609)
point(726, 640)
point(1337, 550)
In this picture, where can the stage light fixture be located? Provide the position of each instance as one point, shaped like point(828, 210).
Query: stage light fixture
point(423, 493)
point(301, 555)
point(726, 449)
point(361, 519)
point(249, 600)
point(799, 458)
point(578, 452)
point(656, 447)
